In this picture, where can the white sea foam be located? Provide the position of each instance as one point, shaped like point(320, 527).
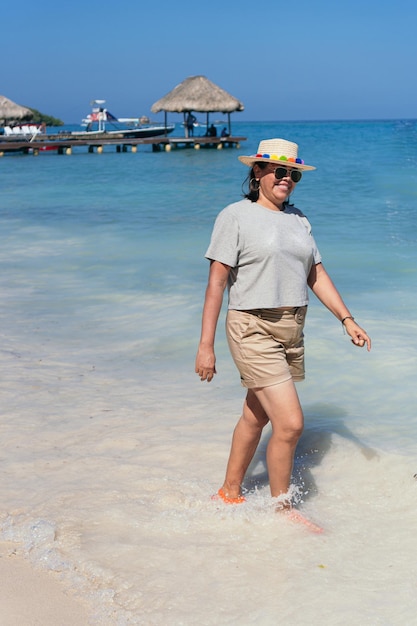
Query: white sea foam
point(166, 553)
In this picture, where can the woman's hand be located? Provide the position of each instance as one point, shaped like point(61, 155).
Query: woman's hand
point(358, 335)
point(205, 363)
point(322, 286)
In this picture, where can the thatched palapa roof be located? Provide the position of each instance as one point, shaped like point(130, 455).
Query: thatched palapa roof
point(9, 110)
point(198, 94)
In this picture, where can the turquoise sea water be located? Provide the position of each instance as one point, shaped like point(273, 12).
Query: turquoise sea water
point(112, 446)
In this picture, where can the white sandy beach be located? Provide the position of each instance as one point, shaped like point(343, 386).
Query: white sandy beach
point(31, 597)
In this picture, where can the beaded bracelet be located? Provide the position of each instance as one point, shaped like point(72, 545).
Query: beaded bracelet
point(348, 317)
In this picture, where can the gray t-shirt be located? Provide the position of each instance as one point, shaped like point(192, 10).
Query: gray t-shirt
point(270, 254)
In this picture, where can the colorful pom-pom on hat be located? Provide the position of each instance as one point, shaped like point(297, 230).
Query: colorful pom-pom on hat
point(277, 151)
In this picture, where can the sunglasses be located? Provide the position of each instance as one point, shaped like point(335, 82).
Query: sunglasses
point(281, 172)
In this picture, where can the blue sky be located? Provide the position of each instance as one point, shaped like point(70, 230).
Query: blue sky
point(303, 60)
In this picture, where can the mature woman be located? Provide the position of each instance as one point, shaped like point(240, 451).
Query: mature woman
point(263, 250)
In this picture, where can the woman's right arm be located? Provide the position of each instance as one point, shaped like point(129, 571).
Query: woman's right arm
point(205, 364)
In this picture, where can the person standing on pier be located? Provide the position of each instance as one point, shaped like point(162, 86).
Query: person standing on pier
point(191, 120)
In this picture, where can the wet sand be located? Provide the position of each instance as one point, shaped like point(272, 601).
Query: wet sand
point(32, 597)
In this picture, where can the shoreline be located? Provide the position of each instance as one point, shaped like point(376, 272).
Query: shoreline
point(30, 596)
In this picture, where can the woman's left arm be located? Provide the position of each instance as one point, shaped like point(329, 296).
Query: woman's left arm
point(323, 287)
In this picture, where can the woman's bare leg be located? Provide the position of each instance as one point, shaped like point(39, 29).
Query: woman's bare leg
point(245, 440)
point(280, 402)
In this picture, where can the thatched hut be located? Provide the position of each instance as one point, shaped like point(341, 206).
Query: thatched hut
point(198, 94)
point(12, 112)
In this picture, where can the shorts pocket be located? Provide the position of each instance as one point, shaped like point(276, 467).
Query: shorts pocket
point(239, 325)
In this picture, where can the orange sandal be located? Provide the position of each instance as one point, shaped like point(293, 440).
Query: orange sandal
point(295, 516)
point(227, 499)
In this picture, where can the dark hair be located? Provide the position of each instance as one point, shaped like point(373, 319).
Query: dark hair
point(253, 188)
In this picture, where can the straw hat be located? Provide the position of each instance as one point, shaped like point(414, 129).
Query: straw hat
point(277, 151)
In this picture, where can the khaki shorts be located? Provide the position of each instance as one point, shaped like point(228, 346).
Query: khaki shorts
point(267, 345)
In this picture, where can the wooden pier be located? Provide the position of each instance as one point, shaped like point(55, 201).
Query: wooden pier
point(65, 144)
